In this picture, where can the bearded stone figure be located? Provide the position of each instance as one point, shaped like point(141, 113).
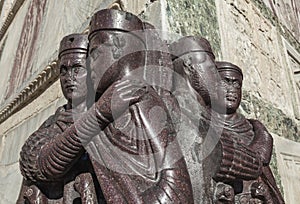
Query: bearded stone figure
point(195, 81)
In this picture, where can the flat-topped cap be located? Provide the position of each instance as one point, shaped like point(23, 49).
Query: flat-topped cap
point(74, 43)
point(222, 65)
point(189, 44)
point(112, 19)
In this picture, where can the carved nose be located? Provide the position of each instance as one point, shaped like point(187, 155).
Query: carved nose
point(70, 75)
point(231, 89)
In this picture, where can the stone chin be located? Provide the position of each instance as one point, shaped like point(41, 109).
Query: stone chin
point(231, 107)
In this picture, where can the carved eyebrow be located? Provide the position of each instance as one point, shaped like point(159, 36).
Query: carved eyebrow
point(228, 77)
point(232, 79)
point(108, 43)
point(77, 64)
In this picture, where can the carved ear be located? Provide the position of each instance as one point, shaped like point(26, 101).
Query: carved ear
point(178, 66)
point(187, 61)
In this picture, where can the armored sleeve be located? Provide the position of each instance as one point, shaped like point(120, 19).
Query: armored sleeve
point(30, 153)
point(61, 152)
point(262, 142)
point(50, 152)
point(237, 161)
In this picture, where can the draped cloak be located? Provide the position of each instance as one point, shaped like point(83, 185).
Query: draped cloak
point(137, 158)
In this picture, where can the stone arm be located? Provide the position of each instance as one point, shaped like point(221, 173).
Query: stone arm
point(262, 142)
point(30, 150)
point(47, 158)
point(245, 162)
point(237, 162)
point(29, 155)
point(174, 185)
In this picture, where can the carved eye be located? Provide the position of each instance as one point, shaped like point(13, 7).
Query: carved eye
point(236, 84)
point(230, 82)
point(92, 50)
point(63, 70)
point(78, 69)
point(187, 61)
point(224, 83)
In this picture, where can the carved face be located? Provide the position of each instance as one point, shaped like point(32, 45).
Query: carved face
point(201, 72)
point(231, 90)
point(73, 75)
point(105, 49)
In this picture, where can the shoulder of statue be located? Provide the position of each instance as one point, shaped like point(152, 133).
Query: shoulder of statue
point(52, 119)
point(260, 129)
point(58, 111)
point(257, 124)
point(240, 116)
point(263, 141)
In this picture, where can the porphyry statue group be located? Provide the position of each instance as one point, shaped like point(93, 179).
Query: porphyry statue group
point(146, 122)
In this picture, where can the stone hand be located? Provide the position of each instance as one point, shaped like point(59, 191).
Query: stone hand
point(119, 96)
point(260, 190)
point(66, 117)
point(224, 193)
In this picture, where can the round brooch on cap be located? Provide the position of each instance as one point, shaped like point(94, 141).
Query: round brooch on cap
point(112, 19)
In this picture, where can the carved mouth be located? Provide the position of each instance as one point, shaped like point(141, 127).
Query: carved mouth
point(71, 87)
